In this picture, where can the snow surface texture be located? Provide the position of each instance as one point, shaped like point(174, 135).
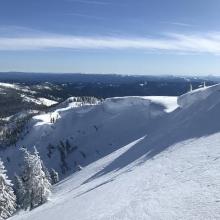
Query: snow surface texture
point(39, 101)
point(26, 93)
point(161, 164)
point(93, 131)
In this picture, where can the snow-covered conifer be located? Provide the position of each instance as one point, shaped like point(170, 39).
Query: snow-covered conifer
point(36, 183)
point(19, 191)
point(7, 196)
point(47, 173)
point(54, 176)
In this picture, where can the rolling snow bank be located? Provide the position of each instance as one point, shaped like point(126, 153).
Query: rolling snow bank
point(136, 164)
point(197, 95)
point(167, 103)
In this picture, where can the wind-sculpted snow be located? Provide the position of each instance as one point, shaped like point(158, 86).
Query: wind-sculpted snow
point(140, 160)
point(91, 130)
point(197, 95)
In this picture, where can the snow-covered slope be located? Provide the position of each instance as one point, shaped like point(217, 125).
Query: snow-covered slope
point(143, 161)
point(15, 98)
point(180, 183)
point(197, 95)
point(92, 131)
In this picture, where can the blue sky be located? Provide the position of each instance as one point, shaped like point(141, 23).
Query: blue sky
point(110, 36)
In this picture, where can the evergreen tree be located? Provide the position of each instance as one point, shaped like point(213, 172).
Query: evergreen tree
point(7, 196)
point(54, 176)
point(47, 173)
point(68, 147)
point(35, 181)
point(19, 191)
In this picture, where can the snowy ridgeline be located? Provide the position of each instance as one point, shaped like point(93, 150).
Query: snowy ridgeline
point(75, 134)
point(141, 158)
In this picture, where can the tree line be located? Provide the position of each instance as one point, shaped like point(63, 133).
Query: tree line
point(30, 189)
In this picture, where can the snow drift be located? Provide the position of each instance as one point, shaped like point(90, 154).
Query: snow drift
point(197, 95)
point(140, 160)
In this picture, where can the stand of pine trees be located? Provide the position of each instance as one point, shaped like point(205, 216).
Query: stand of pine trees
point(30, 190)
point(37, 186)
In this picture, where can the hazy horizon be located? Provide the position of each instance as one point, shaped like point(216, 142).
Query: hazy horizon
point(119, 74)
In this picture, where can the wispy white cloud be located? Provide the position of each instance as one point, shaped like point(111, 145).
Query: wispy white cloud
point(95, 2)
point(182, 24)
point(180, 43)
point(84, 15)
point(19, 31)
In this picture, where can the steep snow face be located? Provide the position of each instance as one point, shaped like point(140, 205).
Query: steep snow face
point(92, 131)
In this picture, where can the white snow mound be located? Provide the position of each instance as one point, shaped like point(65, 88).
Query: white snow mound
point(197, 95)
